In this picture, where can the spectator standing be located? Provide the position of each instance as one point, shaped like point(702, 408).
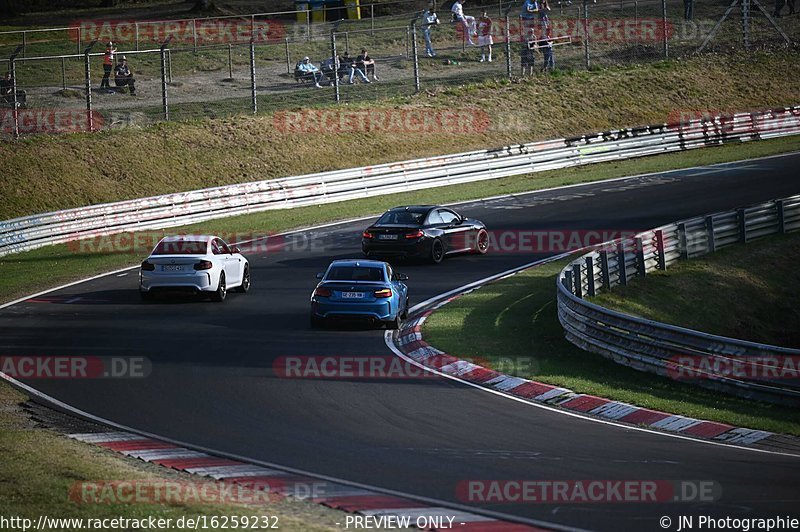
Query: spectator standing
point(485, 36)
point(123, 77)
point(527, 53)
point(548, 59)
point(544, 17)
point(467, 22)
point(429, 20)
point(366, 64)
point(108, 65)
point(7, 91)
point(528, 15)
point(309, 71)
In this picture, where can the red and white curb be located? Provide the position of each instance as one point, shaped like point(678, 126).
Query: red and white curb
point(410, 343)
point(285, 484)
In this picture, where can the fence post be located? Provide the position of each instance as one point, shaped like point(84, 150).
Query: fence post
point(371, 19)
point(87, 73)
point(164, 100)
point(606, 275)
point(230, 61)
point(590, 275)
point(781, 217)
point(741, 217)
point(12, 65)
point(194, 35)
point(253, 75)
point(136, 34)
point(711, 244)
point(347, 42)
point(288, 60)
point(24, 42)
point(336, 95)
point(621, 269)
point(508, 47)
point(586, 33)
point(169, 65)
point(415, 53)
point(576, 279)
point(660, 252)
point(746, 24)
point(664, 27)
point(63, 74)
point(641, 270)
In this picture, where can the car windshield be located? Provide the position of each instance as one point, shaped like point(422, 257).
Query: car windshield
point(181, 247)
point(401, 218)
point(354, 273)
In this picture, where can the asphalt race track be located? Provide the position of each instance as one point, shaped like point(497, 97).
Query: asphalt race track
point(212, 382)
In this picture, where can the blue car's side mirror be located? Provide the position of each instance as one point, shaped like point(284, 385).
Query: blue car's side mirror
point(402, 277)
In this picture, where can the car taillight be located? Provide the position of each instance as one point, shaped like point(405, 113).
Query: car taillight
point(321, 291)
point(386, 292)
point(148, 266)
point(203, 265)
point(416, 234)
point(367, 234)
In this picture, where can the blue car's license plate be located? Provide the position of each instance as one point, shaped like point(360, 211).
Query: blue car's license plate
point(353, 295)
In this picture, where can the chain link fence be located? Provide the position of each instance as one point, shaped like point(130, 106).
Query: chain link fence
point(199, 68)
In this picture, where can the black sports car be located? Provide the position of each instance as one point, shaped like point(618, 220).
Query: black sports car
point(424, 231)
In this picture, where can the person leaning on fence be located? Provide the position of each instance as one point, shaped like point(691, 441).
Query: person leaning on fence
point(548, 59)
point(123, 77)
point(108, 65)
point(365, 62)
point(309, 71)
point(429, 20)
point(7, 91)
point(467, 22)
point(485, 36)
point(527, 54)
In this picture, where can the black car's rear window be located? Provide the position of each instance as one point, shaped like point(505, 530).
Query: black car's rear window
point(354, 273)
point(402, 218)
point(184, 247)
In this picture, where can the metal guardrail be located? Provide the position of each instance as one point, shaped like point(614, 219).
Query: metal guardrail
point(748, 369)
point(171, 210)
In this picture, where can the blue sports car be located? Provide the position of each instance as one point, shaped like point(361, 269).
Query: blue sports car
point(366, 289)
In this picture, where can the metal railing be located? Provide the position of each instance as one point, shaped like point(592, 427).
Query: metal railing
point(735, 366)
point(184, 208)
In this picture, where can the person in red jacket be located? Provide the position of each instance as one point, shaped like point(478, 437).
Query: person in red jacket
point(108, 65)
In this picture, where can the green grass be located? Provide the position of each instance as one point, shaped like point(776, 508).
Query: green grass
point(747, 291)
point(54, 172)
point(40, 466)
point(512, 325)
point(24, 273)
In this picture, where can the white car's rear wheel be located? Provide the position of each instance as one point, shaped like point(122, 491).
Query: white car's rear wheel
point(222, 289)
point(245, 286)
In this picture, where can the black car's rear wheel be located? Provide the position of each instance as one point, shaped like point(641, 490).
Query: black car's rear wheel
point(437, 251)
point(481, 242)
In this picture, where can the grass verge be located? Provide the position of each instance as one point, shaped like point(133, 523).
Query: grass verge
point(24, 273)
point(747, 291)
point(512, 325)
point(41, 466)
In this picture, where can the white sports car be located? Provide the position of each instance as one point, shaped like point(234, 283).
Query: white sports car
point(196, 263)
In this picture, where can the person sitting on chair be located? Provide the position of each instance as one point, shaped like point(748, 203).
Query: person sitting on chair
point(366, 64)
point(309, 71)
point(7, 91)
point(123, 77)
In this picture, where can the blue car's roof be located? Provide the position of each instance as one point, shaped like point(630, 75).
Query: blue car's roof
point(366, 263)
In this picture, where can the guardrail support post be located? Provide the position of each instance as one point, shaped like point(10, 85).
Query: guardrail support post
point(606, 275)
point(661, 254)
point(781, 217)
point(640, 266)
point(577, 281)
point(568, 284)
point(590, 276)
point(682, 245)
point(623, 274)
point(253, 75)
point(741, 218)
point(711, 243)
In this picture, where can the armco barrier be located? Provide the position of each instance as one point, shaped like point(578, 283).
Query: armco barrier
point(748, 369)
point(172, 210)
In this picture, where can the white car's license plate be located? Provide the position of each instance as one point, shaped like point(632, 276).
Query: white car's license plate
point(172, 268)
point(387, 237)
point(353, 295)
